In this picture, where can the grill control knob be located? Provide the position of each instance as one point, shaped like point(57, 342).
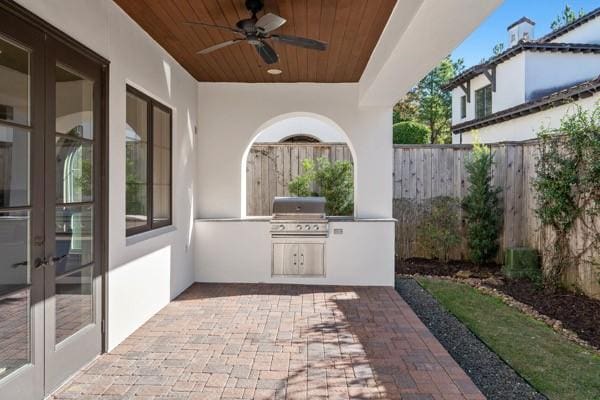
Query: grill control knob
point(281, 227)
point(307, 227)
point(299, 227)
point(316, 227)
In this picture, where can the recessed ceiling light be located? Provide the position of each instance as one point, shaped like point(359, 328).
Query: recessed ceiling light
point(274, 71)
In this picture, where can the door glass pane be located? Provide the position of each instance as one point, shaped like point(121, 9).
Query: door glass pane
point(14, 291)
point(14, 83)
point(74, 249)
point(74, 238)
point(74, 95)
point(136, 136)
point(74, 306)
point(14, 167)
point(73, 170)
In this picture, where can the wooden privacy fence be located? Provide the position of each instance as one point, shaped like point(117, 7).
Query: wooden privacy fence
point(271, 167)
point(422, 173)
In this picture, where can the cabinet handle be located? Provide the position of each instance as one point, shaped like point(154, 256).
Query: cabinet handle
point(301, 258)
point(295, 257)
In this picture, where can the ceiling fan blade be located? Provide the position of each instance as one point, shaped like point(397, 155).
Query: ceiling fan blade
point(224, 28)
point(219, 46)
point(267, 53)
point(269, 22)
point(300, 42)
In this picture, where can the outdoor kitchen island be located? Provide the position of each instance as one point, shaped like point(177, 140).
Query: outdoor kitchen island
point(358, 251)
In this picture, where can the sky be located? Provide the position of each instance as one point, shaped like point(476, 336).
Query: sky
point(493, 30)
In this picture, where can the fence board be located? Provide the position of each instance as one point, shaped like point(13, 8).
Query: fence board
point(440, 171)
point(271, 167)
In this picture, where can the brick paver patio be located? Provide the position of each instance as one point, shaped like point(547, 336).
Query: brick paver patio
point(230, 341)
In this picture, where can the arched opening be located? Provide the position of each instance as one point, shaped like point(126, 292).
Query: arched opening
point(278, 155)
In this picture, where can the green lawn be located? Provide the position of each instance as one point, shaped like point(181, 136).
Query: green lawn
point(553, 365)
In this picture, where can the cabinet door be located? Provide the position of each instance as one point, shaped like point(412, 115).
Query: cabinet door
point(285, 259)
point(311, 260)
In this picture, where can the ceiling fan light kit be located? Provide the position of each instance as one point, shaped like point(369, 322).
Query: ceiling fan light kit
point(257, 32)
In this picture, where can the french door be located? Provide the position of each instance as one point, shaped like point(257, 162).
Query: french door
point(51, 117)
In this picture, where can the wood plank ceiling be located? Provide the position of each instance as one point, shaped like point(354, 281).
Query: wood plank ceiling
point(350, 27)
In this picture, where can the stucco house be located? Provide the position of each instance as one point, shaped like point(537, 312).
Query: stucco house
point(123, 174)
point(530, 85)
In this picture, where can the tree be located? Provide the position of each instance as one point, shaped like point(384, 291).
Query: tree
point(435, 103)
point(482, 206)
point(407, 108)
point(410, 132)
point(429, 104)
point(567, 16)
point(498, 49)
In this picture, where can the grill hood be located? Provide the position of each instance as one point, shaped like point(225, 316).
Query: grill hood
point(299, 207)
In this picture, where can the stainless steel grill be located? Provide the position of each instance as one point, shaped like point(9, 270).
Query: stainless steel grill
point(299, 217)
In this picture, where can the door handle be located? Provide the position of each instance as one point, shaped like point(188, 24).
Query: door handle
point(46, 261)
point(20, 264)
point(56, 259)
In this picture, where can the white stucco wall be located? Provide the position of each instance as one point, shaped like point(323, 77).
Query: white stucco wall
point(526, 127)
point(223, 141)
point(300, 125)
point(240, 251)
point(586, 33)
point(545, 71)
point(145, 273)
point(510, 84)
point(417, 36)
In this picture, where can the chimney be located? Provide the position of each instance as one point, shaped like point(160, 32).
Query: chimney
point(521, 30)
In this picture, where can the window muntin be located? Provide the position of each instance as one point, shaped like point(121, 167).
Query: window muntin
point(483, 102)
point(148, 136)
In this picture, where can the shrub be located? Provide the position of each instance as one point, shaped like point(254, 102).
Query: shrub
point(410, 132)
point(334, 181)
point(439, 231)
point(301, 185)
point(482, 206)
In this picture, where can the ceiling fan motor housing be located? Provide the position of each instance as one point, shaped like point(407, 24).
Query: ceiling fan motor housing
point(254, 6)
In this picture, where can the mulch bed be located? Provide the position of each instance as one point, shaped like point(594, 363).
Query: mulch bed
point(578, 313)
point(424, 266)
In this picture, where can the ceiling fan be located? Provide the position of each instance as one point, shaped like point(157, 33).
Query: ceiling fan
point(256, 31)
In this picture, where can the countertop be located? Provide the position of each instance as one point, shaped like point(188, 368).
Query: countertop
point(268, 219)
